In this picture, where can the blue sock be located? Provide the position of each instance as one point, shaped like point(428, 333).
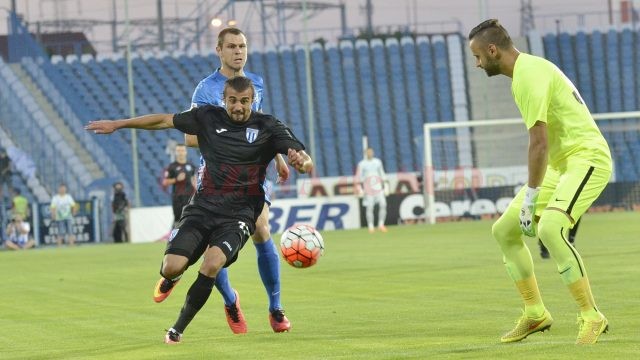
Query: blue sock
point(269, 268)
point(224, 287)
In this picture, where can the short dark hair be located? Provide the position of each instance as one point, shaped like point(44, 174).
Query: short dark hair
point(238, 83)
point(229, 30)
point(492, 32)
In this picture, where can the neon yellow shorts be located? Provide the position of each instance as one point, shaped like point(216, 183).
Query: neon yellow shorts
point(572, 191)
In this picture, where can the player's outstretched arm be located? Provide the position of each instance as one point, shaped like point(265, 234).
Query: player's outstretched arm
point(282, 168)
point(300, 161)
point(146, 122)
point(191, 140)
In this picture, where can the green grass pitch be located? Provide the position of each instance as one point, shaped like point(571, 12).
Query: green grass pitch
point(416, 292)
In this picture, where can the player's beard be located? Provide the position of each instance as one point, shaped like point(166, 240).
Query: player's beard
point(492, 67)
point(239, 116)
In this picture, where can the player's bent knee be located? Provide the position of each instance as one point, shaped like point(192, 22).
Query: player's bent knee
point(173, 266)
point(263, 229)
point(505, 230)
point(214, 260)
point(261, 235)
point(553, 226)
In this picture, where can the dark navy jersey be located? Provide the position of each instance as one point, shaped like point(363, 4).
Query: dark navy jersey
point(209, 92)
point(184, 187)
point(236, 154)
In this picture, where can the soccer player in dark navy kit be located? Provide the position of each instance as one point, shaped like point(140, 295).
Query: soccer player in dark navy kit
point(180, 174)
point(237, 145)
point(232, 50)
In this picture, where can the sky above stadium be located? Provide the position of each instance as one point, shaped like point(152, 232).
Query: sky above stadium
point(425, 15)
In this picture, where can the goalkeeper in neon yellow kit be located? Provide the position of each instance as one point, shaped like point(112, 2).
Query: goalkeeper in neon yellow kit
point(569, 165)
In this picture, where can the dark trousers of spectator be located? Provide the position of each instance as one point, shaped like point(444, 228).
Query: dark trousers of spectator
point(120, 231)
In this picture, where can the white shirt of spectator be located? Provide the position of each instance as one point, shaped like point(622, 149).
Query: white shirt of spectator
point(17, 236)
point(63, 206)
point(372, 176)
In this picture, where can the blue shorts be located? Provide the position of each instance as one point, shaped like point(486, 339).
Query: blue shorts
point(21, 244)
point(65, 227)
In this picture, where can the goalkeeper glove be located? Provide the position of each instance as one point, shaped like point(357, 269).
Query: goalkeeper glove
point(528, 211)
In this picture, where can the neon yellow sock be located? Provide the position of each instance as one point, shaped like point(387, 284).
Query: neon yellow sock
point(530, 294)
point(581, 292)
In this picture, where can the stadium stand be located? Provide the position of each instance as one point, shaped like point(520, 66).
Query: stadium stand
point(33, 133)
point(598, 63)
point(323, 119)
point(385, 121)
point(352, 92)
point(459, 98)
point(411, 80)
point(367, 95)
point(361, 88)
point(340, 119)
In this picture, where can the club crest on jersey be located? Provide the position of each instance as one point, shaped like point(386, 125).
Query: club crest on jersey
point(252, 135)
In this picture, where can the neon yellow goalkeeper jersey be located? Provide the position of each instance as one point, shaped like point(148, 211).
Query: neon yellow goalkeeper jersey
point(543, 93)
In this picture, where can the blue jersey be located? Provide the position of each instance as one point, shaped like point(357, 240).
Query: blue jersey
point(209, 92)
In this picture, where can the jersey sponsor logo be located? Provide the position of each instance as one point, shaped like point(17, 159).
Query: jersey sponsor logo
point(220, 131)
point(252, 135)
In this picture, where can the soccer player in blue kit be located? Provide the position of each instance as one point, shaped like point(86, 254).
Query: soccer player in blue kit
point(232, 50)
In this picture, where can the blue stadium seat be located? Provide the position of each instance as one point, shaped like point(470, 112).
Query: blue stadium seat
point(613, 72)
point(183, 82)
point(566, 54)
point(410, 69)
point(294, 118)
point(629, 101)
point(368, 95)
point(342, 123)
point(388, 153)
point(551, 51)
point(445, 102)
point(584, 69)
point(400, 103)
point(350, 78)
point(273, 84)
point(599, 75)
point(430, 110)
point(323, 118)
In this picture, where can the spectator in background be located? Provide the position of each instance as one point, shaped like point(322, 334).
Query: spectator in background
point(119, 206)
point(371, 182)
point(20, 205)
point(18, 234)
point(5, 171)
point(63, 208)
